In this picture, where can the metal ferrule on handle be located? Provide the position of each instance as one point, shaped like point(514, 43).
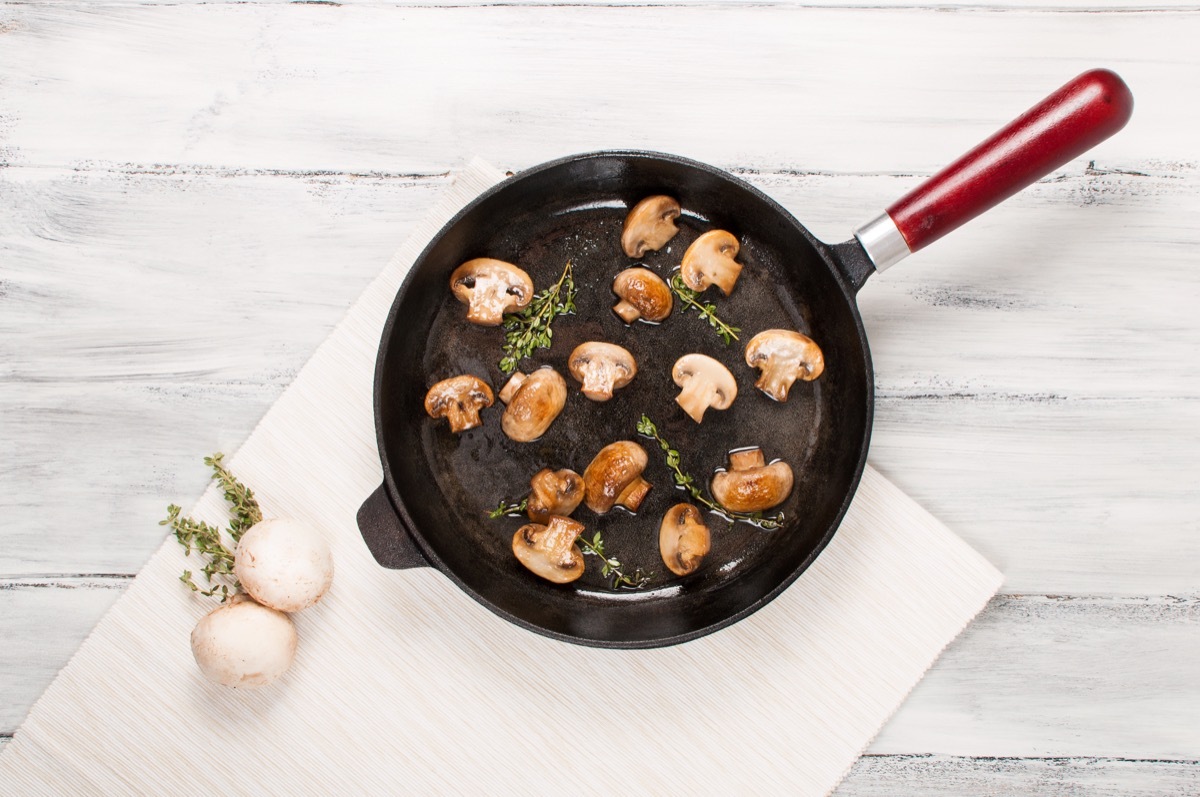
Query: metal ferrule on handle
point(882, 240)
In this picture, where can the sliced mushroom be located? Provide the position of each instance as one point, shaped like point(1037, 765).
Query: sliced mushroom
point(683, 539)
point(649, 225)
point(643, 295)
point(490, 288)
point(459, 399)
point(709, 261)
point(550, 551)
point(534, 401)
point(751, 485)
point(601, 368)
point(615, 477)
point(783, 356)
point(705, 382)
point(554, 492)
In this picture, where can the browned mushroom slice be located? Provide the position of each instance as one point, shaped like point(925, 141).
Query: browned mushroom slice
point(683, 539)
point(550, 551)
point(649, 225)
point(534, 401)
point(459, 399)
point(601, 368)
point(705, 382)
point(751, 485)
point(643, 295)
point(615, 477)
point(709, 261)
point(490, 288)
point(783, 356)
point(554, 492)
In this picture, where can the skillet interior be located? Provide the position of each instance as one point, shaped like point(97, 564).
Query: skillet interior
point(573, 209)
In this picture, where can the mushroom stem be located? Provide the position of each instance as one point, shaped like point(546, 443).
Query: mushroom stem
point(746, 459)
point(634, 493)
point(696, 397)
point(598, 378)
point(776, 382)
point(627, 311)
point(512, 386)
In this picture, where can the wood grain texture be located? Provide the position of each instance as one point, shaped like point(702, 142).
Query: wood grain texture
point(190, 197)
point(949, 776)
point(315, 87)
point(999, 374)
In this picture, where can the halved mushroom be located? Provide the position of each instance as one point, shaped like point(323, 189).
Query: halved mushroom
point(683, 539)
point(751, 485)
point(601, 368)
point(490, 288)
point(643, 295)
point(783, 356)
point(534, 401)
point(649, 225)
point(705, 382)
point(709, 261)
point(615, 477)
point(459, 399)
point(550, 551)
point(554, 492)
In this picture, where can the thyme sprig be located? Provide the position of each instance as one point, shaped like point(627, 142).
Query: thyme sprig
point(530, 329)
point(506, 509)
point(707, 310)
point(612, 568)
point(206, 540)
point(771, 522)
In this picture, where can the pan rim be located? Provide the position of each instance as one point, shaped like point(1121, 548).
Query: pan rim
point(427, 551)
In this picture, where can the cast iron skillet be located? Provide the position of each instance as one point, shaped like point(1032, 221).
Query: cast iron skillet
point(438, 487)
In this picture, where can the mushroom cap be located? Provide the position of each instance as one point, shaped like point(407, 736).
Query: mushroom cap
point(683, 539)
point(601, 368)
point(706, 383)
point(783, 356)
point(643, 295)
point(533, 403)
point(709, 261)
point(615, 477)
point(284, 563)
point(490, 288)
point(550, 551)
point(459, 399)
point(554, 492)
point(243, 643)
point(751, 486)
point(649, 225)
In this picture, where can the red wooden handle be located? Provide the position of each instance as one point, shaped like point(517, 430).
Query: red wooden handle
point(1063, 126)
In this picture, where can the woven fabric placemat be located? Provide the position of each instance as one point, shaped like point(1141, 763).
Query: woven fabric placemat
point(404, 685)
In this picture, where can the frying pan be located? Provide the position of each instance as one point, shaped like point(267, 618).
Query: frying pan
point(432, 507)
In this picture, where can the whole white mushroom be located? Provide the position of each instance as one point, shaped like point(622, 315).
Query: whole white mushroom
point(284, 563)
point(244, 643)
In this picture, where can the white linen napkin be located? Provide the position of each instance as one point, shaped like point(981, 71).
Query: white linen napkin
point(404, 685)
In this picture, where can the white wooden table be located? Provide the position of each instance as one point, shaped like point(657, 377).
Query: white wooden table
point(192, 195)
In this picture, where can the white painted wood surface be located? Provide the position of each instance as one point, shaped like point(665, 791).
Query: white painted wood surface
point(191, 195)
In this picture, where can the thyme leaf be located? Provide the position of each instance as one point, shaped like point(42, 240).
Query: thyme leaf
point(612, 568)
point(206, 540)
point(529, 330)
point(707, 310)
point(684, 480)
point(506, 509)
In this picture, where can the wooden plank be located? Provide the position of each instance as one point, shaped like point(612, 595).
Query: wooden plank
point(953, 776)
point(319, 87)
point(42, 624)
point(1014, 402)
point(1047, 297)
point(1033, 676)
